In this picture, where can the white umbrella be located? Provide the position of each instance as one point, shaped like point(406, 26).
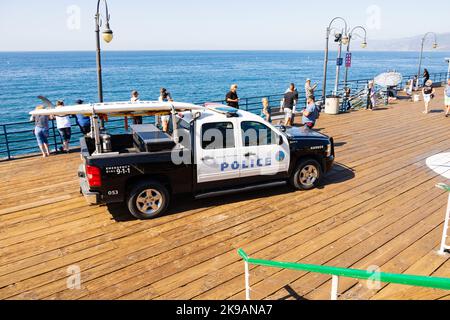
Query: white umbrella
point(388, 79)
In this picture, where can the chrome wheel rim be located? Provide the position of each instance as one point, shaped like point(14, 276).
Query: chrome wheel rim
point(308, 175)
point(149, 201)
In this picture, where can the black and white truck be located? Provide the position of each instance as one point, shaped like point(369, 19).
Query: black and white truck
point(208, 151)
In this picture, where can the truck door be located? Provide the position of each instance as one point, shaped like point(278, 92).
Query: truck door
point(217, 157)
point(261, 152)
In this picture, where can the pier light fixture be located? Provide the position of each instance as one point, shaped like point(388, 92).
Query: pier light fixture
point(343, 39)
point(435, 46)
point(107, 36)
point(353, 34)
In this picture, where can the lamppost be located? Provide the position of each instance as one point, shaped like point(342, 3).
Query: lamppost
point(107, 35)
point(363, 45)
point(448, 70)
point(343, 40)
point(435, 45)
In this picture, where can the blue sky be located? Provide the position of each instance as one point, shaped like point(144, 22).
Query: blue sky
point(209, 24)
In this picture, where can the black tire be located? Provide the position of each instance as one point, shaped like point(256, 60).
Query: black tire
point(300, 179)
point(150, 194)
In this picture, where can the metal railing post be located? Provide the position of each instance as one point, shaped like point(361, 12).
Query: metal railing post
point(54, 136)
point(7, 142)
point(247, 281)
point(334, 287)
point(444, 247)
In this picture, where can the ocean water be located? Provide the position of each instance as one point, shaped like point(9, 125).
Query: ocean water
point(189, 76)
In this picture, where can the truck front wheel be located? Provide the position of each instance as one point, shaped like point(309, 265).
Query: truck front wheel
point(306, 175)
point(148, 200)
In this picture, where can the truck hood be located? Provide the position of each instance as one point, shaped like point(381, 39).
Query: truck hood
point(298, 133)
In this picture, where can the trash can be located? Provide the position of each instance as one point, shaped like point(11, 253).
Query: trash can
point(332, 105)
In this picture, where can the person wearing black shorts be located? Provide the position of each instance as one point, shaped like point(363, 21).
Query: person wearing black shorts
point(289, 102)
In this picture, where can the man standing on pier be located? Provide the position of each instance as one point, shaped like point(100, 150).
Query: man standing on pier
point(232, 98)
point(288, 104)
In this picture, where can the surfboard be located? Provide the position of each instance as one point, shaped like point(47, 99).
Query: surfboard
point(118, 108)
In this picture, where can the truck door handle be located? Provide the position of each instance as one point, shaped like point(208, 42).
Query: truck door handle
point(249, 154)
point(207, 158)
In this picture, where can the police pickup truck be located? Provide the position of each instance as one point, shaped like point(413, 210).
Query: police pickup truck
point(215, 150)
point(207, 151)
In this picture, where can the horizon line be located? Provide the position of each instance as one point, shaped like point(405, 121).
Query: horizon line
point(214, 50)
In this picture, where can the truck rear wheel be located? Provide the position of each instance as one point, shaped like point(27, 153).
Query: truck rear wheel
point(306, 175)
point(148, 200)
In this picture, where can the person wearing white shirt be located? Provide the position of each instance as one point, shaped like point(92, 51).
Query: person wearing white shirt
point(165, 96)
point(135, 98)
point(64, 126)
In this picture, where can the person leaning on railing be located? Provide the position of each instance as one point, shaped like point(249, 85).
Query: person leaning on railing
point(165, 96)
point(64, 126)
point(310, 90)
point(83, 122)
point(232, 98)
point(135, 98)
point(41, 132)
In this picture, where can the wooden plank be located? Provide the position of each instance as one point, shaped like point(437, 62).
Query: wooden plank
point(191, 253)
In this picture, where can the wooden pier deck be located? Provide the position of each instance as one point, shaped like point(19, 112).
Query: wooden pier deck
point(378, 207)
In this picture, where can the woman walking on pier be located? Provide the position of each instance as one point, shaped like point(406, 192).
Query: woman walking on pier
point(428, 93)
point(41, 132)
point(64, 127)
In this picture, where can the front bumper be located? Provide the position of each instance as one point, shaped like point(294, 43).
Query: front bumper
point(328, 164)
point(90, 196)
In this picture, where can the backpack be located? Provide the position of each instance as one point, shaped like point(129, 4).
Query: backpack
point(317, 111)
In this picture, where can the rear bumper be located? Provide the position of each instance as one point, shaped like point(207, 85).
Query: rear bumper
point(90, 196)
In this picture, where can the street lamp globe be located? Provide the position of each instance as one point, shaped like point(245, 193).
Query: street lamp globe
point(345, 40)
point(435, 45)
point(107, 35)
point(364, 44)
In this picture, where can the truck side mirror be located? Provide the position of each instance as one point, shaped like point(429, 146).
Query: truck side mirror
point(280, 140)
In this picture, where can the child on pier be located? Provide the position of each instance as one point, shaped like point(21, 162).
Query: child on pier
point(265, 112)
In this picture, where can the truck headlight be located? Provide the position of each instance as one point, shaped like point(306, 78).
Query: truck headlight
point(329, 150)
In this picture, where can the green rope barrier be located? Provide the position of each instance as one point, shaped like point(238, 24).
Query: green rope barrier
point(412, 280)
point(443, 186)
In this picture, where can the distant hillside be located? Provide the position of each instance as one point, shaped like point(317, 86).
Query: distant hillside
point(410, 44)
